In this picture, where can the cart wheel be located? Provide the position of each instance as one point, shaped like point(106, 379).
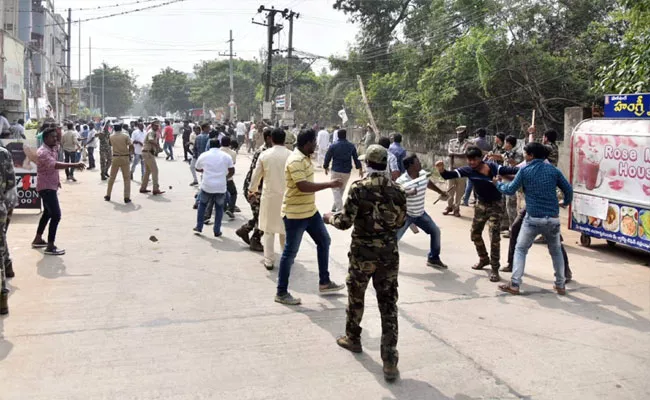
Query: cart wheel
point(585, 240)
point(611, 243)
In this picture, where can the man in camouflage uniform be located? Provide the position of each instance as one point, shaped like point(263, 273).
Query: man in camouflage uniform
point(489, 208)
point(255, 241)
point(8, 200)
point(105, 155)
point(376, 207)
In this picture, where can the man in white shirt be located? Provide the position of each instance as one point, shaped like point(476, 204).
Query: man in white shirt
point(241, 133)
point(323, 143)
point(91, 144)
point(70, 145)
point(5, 126)
point(137, 137)
point(178, 128)
point(216, 167)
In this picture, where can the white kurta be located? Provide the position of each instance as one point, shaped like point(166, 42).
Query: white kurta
point(270, 167)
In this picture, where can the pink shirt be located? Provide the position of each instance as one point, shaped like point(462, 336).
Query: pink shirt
point(47, 175)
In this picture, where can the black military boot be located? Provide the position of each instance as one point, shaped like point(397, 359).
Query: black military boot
point(390, 371)
point(9, 270)
point(4, 300)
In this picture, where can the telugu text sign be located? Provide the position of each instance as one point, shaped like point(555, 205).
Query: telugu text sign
point(627, 106)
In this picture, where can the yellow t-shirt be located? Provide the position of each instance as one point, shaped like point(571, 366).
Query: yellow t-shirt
point(297, 204)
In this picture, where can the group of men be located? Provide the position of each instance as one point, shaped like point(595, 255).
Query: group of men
point(388, 198)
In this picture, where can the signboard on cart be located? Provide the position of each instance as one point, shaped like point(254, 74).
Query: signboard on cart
point(627, 105)
point(23, 155)
point(612, 164)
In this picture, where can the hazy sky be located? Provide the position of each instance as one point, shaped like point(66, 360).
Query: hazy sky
point(182, 34)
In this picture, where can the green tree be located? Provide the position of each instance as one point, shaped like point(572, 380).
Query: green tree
point(118, 87)
point(629, 71)
point(170, 89)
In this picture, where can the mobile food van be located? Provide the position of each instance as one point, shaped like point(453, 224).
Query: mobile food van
point(610, 174)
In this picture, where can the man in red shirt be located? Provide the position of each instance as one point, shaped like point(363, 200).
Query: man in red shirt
point(168, 135)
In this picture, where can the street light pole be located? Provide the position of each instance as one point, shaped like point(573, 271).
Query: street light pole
point(103, 73)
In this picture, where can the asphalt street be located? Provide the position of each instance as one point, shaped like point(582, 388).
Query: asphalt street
point(184, 317)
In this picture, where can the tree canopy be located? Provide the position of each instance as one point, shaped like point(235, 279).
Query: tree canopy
point(119, 88)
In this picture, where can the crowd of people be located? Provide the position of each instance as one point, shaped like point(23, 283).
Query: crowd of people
point(385, 202)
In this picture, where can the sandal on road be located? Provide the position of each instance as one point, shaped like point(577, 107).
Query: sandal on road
point(509, 288)
point(481, 264)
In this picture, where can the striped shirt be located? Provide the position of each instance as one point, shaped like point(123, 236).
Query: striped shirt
point(414, 203)
point(297, 204)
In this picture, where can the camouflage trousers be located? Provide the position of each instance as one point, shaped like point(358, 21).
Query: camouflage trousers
point(384, 278)
point(105, 159)
point(251, 225)
point(4, 253)
point(484, 213)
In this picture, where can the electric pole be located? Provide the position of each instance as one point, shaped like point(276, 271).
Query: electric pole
point(290, 17)
point(272, 29)
point(79, 66)
point(68, 104)
point(103, 73)
point(231, 104)
point(91, 98)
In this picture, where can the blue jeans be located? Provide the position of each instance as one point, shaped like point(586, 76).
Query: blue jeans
point(295, 228)
point(218, 199)
point(169, 149)
point(550, 229)
point(137, 159)
point(425, 223)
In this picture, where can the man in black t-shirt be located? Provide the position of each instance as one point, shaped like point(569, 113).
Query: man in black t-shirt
point(186, 131)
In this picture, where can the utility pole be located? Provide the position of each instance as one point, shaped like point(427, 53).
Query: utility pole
point(365, 101)
point(68, 104)
point(272, 29)
point(79, 64)
point(90, 75)
point(103, 73)
point(231, 104)
point(290, 17)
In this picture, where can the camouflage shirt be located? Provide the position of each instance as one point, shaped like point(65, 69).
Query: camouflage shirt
point(249, 176)
point(376, 207)
point(554, 153)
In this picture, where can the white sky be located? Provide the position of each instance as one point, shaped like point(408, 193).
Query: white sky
point(182, 34)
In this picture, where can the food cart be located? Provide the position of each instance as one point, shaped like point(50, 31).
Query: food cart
point(610, 174)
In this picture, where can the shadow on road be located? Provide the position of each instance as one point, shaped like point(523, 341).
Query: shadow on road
point(610, 255)
point(126, 208)
point(598, 309)
point(5, 345)
point(53, 267)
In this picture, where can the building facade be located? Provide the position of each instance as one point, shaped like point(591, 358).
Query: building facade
point(33, 65)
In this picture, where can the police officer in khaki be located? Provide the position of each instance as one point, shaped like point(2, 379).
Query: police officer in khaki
point(122, 149)
point(150, 150)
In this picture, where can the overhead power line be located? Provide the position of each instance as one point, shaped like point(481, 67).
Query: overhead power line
point(117, 14)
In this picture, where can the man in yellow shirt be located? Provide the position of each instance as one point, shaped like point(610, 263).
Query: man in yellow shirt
point(299, 214)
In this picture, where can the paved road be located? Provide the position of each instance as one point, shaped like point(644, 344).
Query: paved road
point(193, 317)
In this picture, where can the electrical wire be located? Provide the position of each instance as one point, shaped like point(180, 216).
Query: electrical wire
point(117, 14)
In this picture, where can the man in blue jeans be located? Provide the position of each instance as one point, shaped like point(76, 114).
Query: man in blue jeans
point(539, 180)
point(300, 214)
point(415, 182)
point(216, 167)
